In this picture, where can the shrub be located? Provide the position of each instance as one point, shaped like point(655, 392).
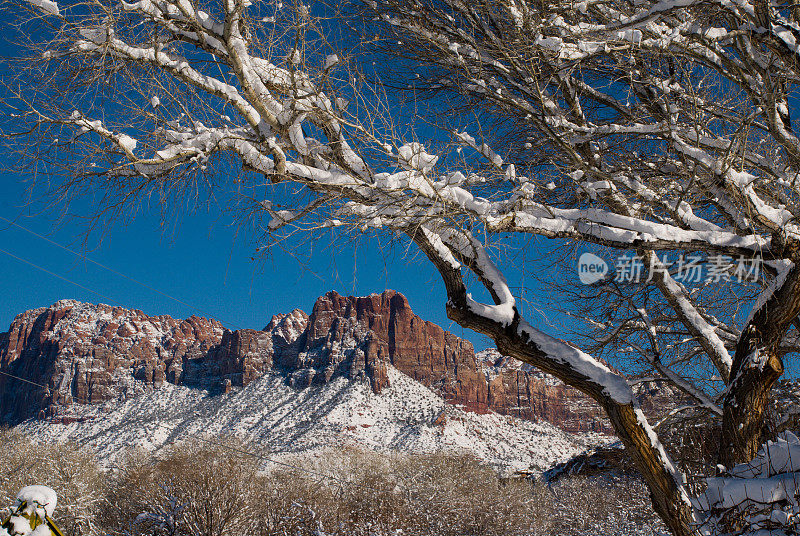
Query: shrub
point(71, 471)
point(190, 489)
point(199, 488)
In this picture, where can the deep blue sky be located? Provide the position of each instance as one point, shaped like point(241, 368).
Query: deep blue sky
point(199, 261)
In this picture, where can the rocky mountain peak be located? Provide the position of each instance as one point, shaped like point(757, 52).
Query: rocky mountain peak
point(289, 323)
point(86, 353)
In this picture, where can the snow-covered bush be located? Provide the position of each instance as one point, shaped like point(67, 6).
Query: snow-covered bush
point(195, 489)
point(444, 494)
point(200, 489)
point(447, 494)
point(203, 489)
point(610, 503)
point(761, 497)
point(34, 505)
point(71, 471)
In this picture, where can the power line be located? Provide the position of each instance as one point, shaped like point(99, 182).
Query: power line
point(584, 402)
point(587, 404)
point(45, 270)
point(172, 430)
point(112, 270)
point(22, 379)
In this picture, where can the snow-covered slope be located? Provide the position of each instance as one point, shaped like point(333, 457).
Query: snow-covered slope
point(406, 417)
point(81, 354)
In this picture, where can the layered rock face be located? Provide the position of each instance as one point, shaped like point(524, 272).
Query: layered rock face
point(420, 349)
point(85, 353)
point(91, 353)
point(520, 390)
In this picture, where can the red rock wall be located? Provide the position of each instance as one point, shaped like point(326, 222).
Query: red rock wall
point(80, 351)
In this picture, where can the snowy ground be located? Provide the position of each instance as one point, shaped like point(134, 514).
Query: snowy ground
point(406, 417)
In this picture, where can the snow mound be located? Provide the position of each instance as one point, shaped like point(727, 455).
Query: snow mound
point(405, 417)
point(762, 495)
point(35, 504)
point(39, 499)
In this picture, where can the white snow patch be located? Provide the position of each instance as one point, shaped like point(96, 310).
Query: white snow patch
point(127, 142)
point(330, 61)
point(406, 417)
point(46, 5)
point(38, 498)
point(764, 492)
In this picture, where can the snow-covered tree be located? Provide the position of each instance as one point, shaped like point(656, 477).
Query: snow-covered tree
point(645, 126)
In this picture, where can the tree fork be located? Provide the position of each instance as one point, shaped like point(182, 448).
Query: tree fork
point(663, 480)
point(756, 367)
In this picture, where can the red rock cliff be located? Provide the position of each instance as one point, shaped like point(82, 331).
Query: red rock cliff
point(89, 353)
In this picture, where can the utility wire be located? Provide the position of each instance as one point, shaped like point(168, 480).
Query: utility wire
point(587, 404)
point(170, 429)
point(112, 270)
point(582, 402)
point(145, 285)
point(45, 270)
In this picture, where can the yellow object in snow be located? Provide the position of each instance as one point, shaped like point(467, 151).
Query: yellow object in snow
point(31, 515)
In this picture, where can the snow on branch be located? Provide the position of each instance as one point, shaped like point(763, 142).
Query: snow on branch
point(47, 6)
point(694, 319)
point(286, 128)
point(762, 494)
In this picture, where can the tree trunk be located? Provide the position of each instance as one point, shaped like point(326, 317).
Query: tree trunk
point(664, 481)
point(743, 426)
point(756, 367)
point(669, 501)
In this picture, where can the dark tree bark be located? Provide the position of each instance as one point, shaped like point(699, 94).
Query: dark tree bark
point(756, 367)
